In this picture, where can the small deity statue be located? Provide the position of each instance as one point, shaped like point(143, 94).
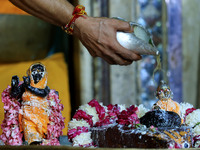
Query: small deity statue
point(165, 102)
point(166, 112)
point(34, 116)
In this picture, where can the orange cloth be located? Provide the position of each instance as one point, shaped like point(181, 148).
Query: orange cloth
point(6, 7)
point(169, 105)
point(34, 119)
point(57, 79)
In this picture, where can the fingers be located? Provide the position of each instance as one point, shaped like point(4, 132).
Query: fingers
point(129, 55)
point(116, 60)
point(124, 60)
point(108, 55)
point(123, 53)
point(112, 54)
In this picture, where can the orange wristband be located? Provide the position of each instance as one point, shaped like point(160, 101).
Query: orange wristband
point(79, 11)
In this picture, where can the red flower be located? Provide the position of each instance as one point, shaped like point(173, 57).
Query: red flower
point(72, 133)
point(177, 145)
point(132, 109)
point(113, 110)
point(100, 110)
point(189, 110)
point(196, 138)
point(111, 117)
point(106, 121)
point(80, 114)
point(129, 116)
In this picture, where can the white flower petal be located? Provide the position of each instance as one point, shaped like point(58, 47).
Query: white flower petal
point(75, 123)
point(193, 118)
point(90, 111)
point(82, 139)
point(141, 110)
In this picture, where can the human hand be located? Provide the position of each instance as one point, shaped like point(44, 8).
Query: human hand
point(98, 35)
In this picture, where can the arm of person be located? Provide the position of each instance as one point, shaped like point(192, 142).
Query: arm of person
point(57, 12)
point(98, 35)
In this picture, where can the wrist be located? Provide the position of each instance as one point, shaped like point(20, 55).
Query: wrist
point(79, 12)
point(78, 25)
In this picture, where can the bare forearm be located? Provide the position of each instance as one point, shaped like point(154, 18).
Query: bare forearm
point(57, 12)
point(98, 35)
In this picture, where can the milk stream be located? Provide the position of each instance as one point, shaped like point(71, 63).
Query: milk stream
point(158, 68)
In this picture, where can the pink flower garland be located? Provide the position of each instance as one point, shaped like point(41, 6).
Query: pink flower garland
point(76, 131)
point(80, 114)
point(109, 115)
point(11, 134)
point(129, 116)
point(188, 111)
point(197, 137)
point(100, 109)
point(56, 125)
point(112, 115)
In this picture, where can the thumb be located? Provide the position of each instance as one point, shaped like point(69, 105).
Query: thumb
point(123, 26)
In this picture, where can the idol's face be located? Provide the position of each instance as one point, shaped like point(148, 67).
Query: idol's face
point(37, 72)
point(164, 93)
